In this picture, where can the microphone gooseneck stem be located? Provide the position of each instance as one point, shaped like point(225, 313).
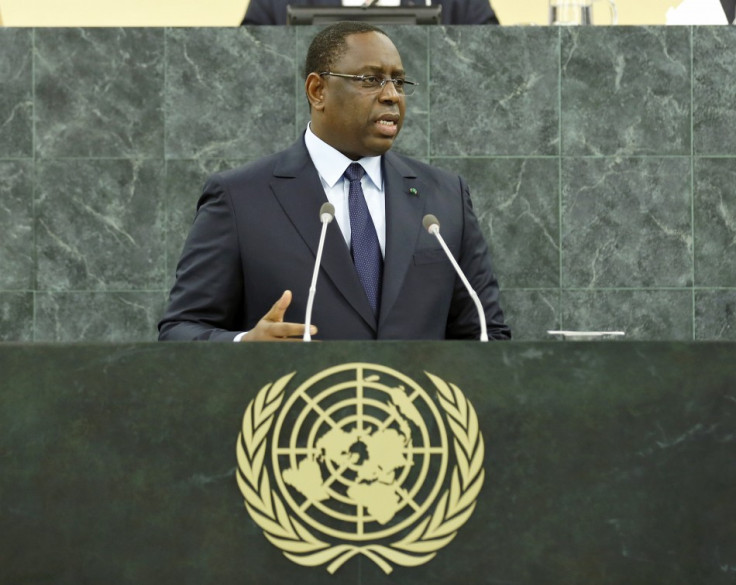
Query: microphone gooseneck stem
point(434, 228)
point(326, 213)
point(313, 286)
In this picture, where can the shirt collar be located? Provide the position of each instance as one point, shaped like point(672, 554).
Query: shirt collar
point(331, 163)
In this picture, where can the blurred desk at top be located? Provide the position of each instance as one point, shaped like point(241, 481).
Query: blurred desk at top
point(85, 13)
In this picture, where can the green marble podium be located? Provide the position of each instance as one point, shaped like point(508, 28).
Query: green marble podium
point(605, 463)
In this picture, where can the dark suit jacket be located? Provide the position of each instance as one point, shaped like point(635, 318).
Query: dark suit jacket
point(256, 234)
point(453, 11)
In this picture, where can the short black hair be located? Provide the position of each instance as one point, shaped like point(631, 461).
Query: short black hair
point(330, 44)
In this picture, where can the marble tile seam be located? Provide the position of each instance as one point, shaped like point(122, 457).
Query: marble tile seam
point(560, 183)
point(574, 157)
point(34, 191)
point(492, 156)
point(89, 291)
point(124, 158)
point(620, 288)
point(519, 288)
point(433, 157)
point(167, 203)
point(503, 288)
point(693, 300)
point(579, 156)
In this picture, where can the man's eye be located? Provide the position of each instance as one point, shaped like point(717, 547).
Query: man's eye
point(399, 83)
point(371, 80)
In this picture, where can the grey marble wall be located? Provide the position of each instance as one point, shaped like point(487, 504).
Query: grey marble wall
point(601, 161)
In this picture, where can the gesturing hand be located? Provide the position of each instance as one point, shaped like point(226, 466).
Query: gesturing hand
point(272, 327)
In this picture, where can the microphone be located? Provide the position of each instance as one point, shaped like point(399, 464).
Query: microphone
point(432, 225)
point(326, 215)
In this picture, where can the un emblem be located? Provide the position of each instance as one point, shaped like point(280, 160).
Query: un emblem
point(357, 460)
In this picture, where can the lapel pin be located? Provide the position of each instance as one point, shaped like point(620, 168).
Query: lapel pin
point(413, 191)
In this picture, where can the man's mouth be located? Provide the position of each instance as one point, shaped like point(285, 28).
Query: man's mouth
point(388, 126)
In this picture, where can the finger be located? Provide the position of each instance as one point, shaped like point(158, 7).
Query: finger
point(287, 330)
point(276, 313)
point(267, 331)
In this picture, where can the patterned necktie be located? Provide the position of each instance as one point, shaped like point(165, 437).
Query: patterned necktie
point(364, 245)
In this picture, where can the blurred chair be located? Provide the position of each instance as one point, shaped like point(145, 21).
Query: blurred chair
point(698, 12)
point(729, 7)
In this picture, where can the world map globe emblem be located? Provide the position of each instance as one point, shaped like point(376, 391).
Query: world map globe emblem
point(359, 452)
point(359, 459)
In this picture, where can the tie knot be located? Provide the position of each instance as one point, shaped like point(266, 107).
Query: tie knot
point(354, 172)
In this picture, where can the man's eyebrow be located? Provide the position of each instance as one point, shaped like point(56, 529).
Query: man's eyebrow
point(378, 69)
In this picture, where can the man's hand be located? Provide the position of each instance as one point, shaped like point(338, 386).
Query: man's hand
point(272, 327)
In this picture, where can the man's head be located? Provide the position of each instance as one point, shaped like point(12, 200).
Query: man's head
point(355, 119)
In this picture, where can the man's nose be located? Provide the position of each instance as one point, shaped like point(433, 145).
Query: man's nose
point(389, 91)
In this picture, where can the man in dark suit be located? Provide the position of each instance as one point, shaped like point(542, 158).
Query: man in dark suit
point(248, 261)
point(453, 11)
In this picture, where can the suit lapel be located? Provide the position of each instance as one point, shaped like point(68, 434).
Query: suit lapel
point(299, 191)
point(404, 212)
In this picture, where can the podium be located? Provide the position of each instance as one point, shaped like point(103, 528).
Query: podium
point(602, 462)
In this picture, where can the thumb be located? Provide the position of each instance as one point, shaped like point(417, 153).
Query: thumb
point(276, 313)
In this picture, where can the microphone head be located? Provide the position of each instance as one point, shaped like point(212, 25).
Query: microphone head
point(327, 212)
point(429, 222)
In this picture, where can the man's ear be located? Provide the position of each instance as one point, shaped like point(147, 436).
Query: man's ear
point(315, 89)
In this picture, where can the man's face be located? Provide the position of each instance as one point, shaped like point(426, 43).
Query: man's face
point(356, 121)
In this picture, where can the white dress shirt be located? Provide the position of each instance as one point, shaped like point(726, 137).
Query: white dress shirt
point(331, 165)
